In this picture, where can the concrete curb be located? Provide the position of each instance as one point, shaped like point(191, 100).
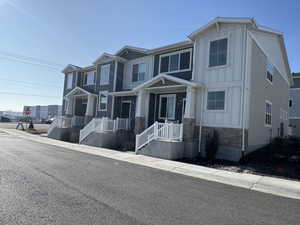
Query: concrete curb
point(275, 186)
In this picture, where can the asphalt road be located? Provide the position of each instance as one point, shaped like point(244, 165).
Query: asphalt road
point(43, 184)
point(12, 125)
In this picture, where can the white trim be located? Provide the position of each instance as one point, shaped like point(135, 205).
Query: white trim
point(222, 20)
point(168, 77)
point(123, 93)
point(227, 36)
point(294, 118)
point(99, 98)
point(70, 68)
point(270, 103)
point(79, 89)
point(85, 73)
point(169, 47)
point(164, 87)
point(179, 52)
point(225, 99)
point(174, 108)
point(135, 49)
point(106, 57)
point(183, 108)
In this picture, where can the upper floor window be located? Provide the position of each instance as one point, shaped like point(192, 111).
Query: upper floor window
point(69, 81)
point(103, 100)
point(218, 52)
point(138, 72)
point(216, 100)
point(270, 71)
point(175, 61)
point(89, 78)
point(104, 74)
point(268, 113)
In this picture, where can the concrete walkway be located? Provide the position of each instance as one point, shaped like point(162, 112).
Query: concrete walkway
point(276, 186)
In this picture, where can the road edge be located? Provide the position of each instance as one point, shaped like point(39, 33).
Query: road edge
point(265, 184)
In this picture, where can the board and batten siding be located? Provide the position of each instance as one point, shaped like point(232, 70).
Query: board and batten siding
point(127, 79)
point(228, 78)
point(261, 91)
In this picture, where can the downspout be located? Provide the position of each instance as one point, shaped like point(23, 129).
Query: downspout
point(201, 118)
point(243, 94)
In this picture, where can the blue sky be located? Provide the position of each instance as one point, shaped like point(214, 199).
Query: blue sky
point(78, 31)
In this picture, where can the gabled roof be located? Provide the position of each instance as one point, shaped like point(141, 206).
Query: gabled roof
point(167, 77)
point(70, 68)
point(106, 56)
point(181, 44)
point(218, 20)
point(132, 48)
point(79, 89)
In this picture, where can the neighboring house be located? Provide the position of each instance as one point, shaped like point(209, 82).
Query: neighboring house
point(44, 112)
point(294, 105)
point(232, 76)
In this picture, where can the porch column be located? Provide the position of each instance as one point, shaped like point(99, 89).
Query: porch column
point(140, 112)
point(89, 109)
point(70, 102)
point(189, 124)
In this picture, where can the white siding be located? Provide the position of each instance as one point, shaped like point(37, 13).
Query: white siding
point(270, 45)
point(127, 78)
point(228, 78)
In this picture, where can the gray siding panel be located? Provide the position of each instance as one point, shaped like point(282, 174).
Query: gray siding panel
point(262, 90)
point(294, 95)
point(120, 74)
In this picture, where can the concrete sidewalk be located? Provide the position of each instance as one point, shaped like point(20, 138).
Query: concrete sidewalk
point(276, 186)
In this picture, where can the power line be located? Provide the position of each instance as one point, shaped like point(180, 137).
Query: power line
point(31, 83)
point(29, 95)
point(30, 58)
point(31, 63)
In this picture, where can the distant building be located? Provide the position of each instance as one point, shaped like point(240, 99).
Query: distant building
point(294, 105)
point(39, 112)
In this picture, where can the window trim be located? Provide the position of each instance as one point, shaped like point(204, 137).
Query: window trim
point(67, 75)
point(159, 108)
point(99, 104)
point(225, 97)
point(138, 80)
point(270, 103)
point(85, 74)
point(104, 65)
point(227, 55)
point(272, 74)
point(190, 50)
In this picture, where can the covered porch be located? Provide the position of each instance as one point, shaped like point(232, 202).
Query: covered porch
point(80, 107)
point(165, 111)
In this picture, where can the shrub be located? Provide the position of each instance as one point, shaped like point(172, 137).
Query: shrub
point(212, 145)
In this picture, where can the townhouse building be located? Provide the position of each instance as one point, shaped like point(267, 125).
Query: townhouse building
point(231, 76)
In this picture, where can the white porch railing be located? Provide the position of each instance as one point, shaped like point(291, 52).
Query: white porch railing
point(159, 131)
point(104, 125)
point(60, 122)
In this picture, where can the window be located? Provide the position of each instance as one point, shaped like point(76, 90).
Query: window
point(138, 72)
point(268, 113)
point(218, 52)
point(89, 78)
point(216, 100)
point(167, 107)
point(104, 74)
point(290, 103)
point(103, 100)
point(270, 70)
point(175, 62)
point(69, 78)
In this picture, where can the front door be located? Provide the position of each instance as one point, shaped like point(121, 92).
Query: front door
point(125, 109)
